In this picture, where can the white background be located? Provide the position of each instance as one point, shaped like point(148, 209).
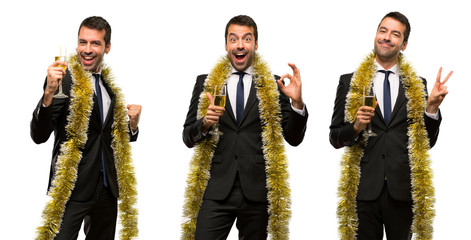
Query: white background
point(158, 49)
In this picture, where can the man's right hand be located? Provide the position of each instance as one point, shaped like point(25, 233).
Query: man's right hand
point(212, 114)
point(364, 115)
point(54, 77)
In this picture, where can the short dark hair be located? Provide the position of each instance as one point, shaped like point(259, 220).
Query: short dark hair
point(401, 18)
point(97, 23)
point(242, 20)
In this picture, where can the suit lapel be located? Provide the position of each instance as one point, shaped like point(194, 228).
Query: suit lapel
point(401, 97)
point(250, 102)
point(229, 110)
point(109, 115)
point(96, 110)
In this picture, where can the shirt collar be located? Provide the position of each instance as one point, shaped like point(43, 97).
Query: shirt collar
point(393, 69)
point(248, 71)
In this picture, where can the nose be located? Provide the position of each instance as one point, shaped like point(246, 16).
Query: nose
point(88, 48)
point(240, 44)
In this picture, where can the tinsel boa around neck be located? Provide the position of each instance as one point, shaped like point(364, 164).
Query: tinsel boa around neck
point(419, 159)
point(80, 109)
point(273, 149)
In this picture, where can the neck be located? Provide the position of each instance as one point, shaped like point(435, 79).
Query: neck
point(387, 63)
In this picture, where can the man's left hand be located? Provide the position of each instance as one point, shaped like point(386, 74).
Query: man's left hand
point(293, 90)
point(439, 91)
point(134, 113)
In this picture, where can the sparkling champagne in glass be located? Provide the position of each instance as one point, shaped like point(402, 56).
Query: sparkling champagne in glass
point(369, 100)
point(62, 58)
point(220, 101)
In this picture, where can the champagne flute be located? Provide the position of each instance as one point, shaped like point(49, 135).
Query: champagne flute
point(220, 101)
point(369, 100)
point(62, 58)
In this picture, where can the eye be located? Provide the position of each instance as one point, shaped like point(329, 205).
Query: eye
point(96, 43)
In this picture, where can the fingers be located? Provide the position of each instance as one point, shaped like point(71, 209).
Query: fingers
point(439, 75)
point(281, 85)
point(447, 77)
point(134, 108)
point(294, 68)
point(365, 113)
point(55, 72)
point(213, 112)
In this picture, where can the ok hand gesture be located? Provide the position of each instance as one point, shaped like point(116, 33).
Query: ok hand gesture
point(293, 90)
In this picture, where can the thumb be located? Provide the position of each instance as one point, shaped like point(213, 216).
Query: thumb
point(210, 98)
point(281, 85)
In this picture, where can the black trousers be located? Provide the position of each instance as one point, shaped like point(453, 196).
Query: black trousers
point(395, 216)
point(98, 214)
point(215, 218)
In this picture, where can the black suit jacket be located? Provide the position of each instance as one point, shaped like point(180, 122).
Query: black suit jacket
point(240, 147)
point(386, 155)
point(54, 119)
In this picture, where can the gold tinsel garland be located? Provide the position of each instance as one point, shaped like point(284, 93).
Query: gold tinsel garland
point(273, 149)
point(80, 108)
point(419, 159)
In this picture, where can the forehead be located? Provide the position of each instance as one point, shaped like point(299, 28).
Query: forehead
point(392, 25)
point(235, 29)
point(89, 34)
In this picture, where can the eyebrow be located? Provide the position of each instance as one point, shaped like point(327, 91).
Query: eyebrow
point(91, 41)
point(245, 35)
point(394, 31)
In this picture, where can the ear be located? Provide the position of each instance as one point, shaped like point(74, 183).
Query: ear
point(225, 46)
point(108, 48)
point(256, 45)
point(404, 46)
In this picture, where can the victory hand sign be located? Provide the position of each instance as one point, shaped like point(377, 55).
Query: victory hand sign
point(439, 91)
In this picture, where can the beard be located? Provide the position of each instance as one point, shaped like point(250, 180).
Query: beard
point(386, 53)
point(247, 58)
point(91, 62)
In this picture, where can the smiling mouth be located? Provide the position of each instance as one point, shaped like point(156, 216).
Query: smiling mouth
point(385, 43)
point(240, 56)
point(88, 60)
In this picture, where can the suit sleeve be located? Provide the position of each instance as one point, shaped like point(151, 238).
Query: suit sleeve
point(45, 119)
point(41, 124)
point(293, 124)
point(193, 128)
point(133, 137)
point(341, 132)
point(431, 125)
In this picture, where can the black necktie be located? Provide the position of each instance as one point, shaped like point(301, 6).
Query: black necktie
point(386, 96)
point(100, 106)
point(98, 94)
point(240, 97)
